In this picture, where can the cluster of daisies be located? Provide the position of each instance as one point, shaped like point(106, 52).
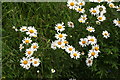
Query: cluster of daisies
point(61, 41)
point(99, 12)
point(30, 46)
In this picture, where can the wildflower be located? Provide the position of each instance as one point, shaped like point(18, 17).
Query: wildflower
point(29, 52)
point(91, 40)
point(75, 55)
point(93, 53)
point(60, 27)
point(90, 29)
point(31, 31)
point(25, 63)
point(60, 36)
point(69, 49)
point(36, 62)
point(89, 61)
point(83, 42)
point(106, 34)
point(52, 70)
point(71, 24)
point(21, 47)
point(116, 22)
point(71, 4)
point(23, 29)
point(34, 46)
point(27, 40)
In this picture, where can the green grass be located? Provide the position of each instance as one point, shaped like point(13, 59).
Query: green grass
point(44, 16)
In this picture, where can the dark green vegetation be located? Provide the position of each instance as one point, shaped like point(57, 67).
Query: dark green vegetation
point(44, 16)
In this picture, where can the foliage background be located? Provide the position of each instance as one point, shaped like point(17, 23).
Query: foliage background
point(44, 16)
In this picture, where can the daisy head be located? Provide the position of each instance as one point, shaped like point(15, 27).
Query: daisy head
point(21, 47)
point(25, 63)
point(27, 40)
point(52, 70)
point(69, 49)
point(23, 29)
point(111, 5)
point(101, 18)
point(35, 46)
point(31, 59)
point(84, 17)
point(70, 24)
point(105, 34)
point(60, 43)
point(83, 42)
point(109, 1)
point(31, 31)
point(90, 29)
point(91, 40)
point(94, 11)
point(75, 54)
point(60, 27)
point(101, 9)
point(36, 62)
point(60, 36)
point(80, 10)
point(81, 3)
point(54, 45)
point(29, 52)
point(93, 53)
point(116, 22)
point(95, 48)
point(89, 61)
point(71, 4)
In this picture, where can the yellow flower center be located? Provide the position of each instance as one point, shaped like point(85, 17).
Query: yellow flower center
point(92, 40)
point(72, 4)
point(93, 53)
point(27, 41)
point(75, 54)
point(23, 29)
point(111, 5)
point(59, 27)
point(34, 46)
point(70, 49)
point(105, 34)
point(100, 18)
point(94, 11)
point(35, 62)
point(31, 31)
point(25, 62)
point(80, 21)
point(79, 9)
point(29, 52)
point(83, 42)
point(90, 29)
point(66, 42)
point(118, 22)
point(96, 48)
point(84, 18)
point(81, 3)
point(60, 36)
point(59, 43)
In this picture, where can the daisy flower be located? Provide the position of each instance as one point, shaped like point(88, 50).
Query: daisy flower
point(80, 10)
point(81, 3)
point(83, 42)
point(89, 61)
point(52, 70)
point(25, 63)
point(98, 22)
point(105, 34)
point(101, 8)
point(71, 24)
point(101, 18)
point(34, 46)
point(36, 62)
point(54, 45)
point(27, 40)
point(31, 31)
point(96, 48)
point(69, 49)
point(75, 55)
point(116, 22)
point(99, 1)
point(21, 47)
point(59, 43)
point(60, 27)
point(90, 29)
point(23, 29)
point(118, 8)
point(60, 36)
point(29, 52)
point(94, 11)
point(93, 53)
point(71, 4)
point(111, 5)
point(91, 40)
point(31, 59)
point(109, 1)
point(83, 18)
